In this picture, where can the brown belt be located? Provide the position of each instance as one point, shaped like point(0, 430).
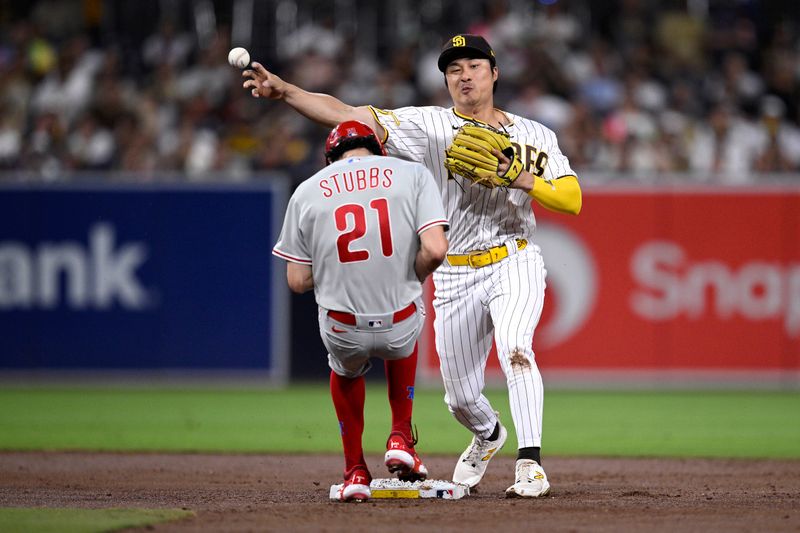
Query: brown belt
point(482, 258)
point(350, 319)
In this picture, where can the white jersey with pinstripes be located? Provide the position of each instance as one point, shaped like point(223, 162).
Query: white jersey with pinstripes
point(479, 217)
point(356, 222)
point(501, 302)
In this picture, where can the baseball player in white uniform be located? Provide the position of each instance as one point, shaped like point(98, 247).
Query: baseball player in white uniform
point(492, 285)
point(364, 232)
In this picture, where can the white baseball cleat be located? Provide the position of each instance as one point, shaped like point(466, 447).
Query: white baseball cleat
point(472, 464)
point(530, 481)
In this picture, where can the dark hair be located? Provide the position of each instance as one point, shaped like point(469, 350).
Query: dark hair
point(350, 143)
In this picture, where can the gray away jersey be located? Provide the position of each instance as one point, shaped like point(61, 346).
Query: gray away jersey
point(356, 222)
point(479, 217)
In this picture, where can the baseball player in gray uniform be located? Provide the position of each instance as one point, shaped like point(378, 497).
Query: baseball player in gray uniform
point(364, 232)
point(492, 285)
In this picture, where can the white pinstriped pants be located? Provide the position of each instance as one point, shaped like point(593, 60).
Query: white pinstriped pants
point(503, 300)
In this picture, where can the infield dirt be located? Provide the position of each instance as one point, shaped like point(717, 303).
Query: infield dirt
point(290, 493)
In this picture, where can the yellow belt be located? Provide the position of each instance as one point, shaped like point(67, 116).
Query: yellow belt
point(482, 258)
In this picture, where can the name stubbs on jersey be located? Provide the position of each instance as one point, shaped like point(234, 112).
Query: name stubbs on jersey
point(359, 180)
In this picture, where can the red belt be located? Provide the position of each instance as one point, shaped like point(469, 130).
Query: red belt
point(350, 320)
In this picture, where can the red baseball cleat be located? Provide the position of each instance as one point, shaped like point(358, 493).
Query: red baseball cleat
point(401, 458)
point(356, 485)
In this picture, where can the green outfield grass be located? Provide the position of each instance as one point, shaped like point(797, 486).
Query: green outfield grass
point(82, 520)
point(301, 419)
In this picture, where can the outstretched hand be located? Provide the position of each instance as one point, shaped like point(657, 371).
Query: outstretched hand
point(262, 83)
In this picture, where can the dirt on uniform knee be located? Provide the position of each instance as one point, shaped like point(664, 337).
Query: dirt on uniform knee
point(518, 360)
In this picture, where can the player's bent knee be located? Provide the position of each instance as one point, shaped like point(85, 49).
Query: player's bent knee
point(350, 367)
point(461, 405)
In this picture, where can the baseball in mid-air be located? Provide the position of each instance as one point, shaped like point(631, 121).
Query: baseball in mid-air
point(239, 57)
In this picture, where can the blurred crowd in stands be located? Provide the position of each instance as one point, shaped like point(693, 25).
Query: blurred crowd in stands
point(706, 89)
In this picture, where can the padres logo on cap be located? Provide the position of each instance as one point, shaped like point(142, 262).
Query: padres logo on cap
point(465, 45)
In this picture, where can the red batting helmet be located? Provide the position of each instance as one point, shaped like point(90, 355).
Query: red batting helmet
point(348, 135)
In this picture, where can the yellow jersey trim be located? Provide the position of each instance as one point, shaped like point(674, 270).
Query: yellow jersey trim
point(471, 119)
point(374, 112)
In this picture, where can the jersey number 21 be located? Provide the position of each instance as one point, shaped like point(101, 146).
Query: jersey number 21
point(381, 207)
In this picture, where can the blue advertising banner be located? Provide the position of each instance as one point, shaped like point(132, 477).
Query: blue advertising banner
point(160, 277)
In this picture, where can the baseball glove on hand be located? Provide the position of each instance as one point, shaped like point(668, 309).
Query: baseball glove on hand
point(471, 156)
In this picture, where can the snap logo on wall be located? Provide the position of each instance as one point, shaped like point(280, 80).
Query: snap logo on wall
point(571, 282)
point(95, 275)
point(671, 284)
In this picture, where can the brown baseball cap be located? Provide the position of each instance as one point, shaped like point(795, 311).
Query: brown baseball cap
point(465, 45)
